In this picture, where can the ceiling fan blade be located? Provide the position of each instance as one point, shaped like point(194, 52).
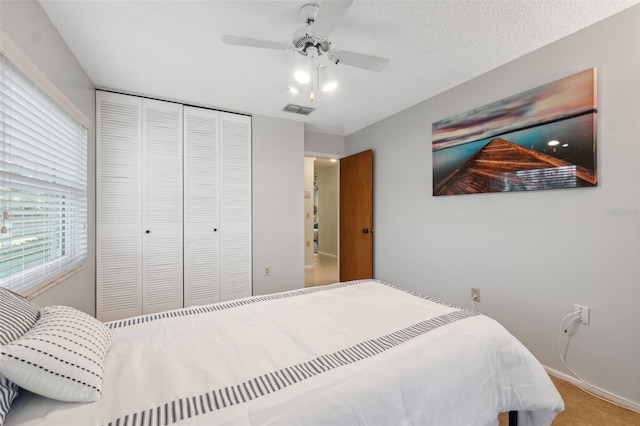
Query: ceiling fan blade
point(252, 42)
point(358, 60)
point(329, 16)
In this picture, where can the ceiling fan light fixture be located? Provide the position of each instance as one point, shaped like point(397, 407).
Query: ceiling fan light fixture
point(302, 76)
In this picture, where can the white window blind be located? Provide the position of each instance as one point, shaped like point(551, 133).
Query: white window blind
point(43, 184)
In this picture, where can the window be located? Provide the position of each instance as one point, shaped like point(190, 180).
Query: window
point(43, 184)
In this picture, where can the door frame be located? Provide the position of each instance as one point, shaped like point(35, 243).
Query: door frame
point(337, 165)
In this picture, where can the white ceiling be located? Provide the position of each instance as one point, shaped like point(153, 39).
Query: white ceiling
point(172, 50)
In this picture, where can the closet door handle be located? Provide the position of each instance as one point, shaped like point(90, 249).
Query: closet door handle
point(148, 231)
point(215, 229)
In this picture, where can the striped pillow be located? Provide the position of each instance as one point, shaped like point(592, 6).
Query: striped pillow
point(17, 316)
point(62, 357)
point(8, 391)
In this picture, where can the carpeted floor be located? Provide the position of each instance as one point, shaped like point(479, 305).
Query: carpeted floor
point(582, 409)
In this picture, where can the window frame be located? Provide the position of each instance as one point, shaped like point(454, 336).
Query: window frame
point(37, 280)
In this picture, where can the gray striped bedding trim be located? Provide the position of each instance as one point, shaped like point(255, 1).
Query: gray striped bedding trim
point(256, 299)
point(422, 296)
point(224, 305)
point(185, 408)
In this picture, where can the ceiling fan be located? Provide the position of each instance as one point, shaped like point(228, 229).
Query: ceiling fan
point(312, 40)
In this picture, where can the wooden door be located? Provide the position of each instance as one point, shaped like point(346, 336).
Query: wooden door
point(356, 216)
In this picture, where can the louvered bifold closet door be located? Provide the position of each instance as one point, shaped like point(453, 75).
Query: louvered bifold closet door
point(162, 206)
point(201, 204)
point(118, 206)
point(235, 202)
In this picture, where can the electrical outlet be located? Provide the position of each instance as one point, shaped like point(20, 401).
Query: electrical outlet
point(475, 294)
point(267, 271)
point(584, 313)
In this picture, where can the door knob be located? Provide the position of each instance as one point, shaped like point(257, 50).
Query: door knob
point(148, 231)
point(365, 230)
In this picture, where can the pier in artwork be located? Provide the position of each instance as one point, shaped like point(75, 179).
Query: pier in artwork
point(503, 166)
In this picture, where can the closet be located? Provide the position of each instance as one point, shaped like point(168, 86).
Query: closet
point(173, 205)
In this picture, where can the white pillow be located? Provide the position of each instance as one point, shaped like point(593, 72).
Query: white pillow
point(61, 357)
point(17, 316)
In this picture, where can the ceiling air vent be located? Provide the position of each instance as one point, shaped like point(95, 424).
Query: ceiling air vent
point(298, 109)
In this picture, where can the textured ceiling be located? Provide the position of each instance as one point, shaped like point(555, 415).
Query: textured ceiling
point(172, 50)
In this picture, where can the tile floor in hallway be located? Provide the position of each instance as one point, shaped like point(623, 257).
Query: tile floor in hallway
point(324, 271)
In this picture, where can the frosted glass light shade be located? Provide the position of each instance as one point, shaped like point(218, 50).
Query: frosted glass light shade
point(302, 76)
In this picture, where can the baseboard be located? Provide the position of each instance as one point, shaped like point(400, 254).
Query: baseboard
point(327, 254)
point(579, 383)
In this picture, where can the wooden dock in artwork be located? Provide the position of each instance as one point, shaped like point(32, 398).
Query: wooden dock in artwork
point(503, 166)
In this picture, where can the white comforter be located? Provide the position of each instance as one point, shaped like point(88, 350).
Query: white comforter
point(360, 353)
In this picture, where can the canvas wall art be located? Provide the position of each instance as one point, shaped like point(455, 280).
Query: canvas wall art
point(544, 138)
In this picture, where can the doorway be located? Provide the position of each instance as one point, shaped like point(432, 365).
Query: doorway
point(322, 218)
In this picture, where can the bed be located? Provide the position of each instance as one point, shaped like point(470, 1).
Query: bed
point(357, 353)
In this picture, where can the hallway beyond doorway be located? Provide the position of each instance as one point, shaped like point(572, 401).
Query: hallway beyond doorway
point(324, 271)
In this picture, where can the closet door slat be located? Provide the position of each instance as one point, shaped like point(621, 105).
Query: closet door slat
point(118, 206)
point(201, 204)
point(162, 264)
point(235, 171)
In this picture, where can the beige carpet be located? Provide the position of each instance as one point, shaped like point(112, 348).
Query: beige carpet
point(324, 271)
point(582, 409)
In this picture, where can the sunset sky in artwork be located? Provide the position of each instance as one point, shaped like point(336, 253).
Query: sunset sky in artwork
point(562, 98)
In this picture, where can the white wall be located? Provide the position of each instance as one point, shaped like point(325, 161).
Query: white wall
point(277, 167)
point(533, 254)
point(324, 145)
point(278, 207)
point(27, 26)
point(328, 196)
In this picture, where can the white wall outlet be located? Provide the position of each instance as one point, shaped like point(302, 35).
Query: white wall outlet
point(584, 313)
point(267, 271)
point(475, 294)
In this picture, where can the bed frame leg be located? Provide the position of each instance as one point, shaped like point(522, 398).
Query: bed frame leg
point(513, 418)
